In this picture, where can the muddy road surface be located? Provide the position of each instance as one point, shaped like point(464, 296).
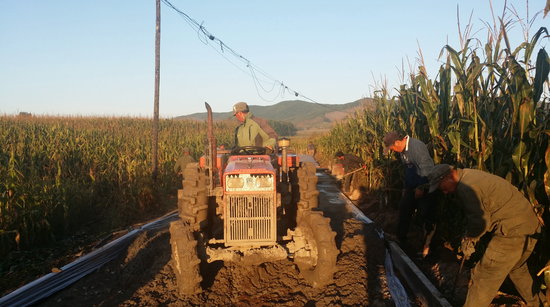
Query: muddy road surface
point(143, 276)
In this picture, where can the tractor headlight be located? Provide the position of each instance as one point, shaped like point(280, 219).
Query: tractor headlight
point(234, 182)
point(264, 182)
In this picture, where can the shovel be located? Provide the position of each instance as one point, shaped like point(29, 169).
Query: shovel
point(457, 276)
point(352, 172)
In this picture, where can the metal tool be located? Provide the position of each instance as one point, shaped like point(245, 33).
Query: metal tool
point(352, 172)
point(457, 276)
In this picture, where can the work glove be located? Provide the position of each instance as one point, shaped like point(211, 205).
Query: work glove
point(418, 193)
point(468, 247)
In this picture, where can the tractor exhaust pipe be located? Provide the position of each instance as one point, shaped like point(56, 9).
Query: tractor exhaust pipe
point(210, 153)
point(284, 143)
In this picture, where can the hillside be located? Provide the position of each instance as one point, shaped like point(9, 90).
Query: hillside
point(303, 114)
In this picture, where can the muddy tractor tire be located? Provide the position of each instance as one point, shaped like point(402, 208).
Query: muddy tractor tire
point(192, 200)
point(317, 262)
point(307, 182)
point(185, 260)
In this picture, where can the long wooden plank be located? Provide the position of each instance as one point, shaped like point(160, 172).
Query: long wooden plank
point(424, 290)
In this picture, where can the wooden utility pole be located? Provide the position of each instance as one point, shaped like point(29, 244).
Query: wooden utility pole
point(157, 89)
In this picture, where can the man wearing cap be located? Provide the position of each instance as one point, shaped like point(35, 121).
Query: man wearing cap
point(311, 149)
point(182, 162)
point(253, 130)
point(418, 164)
point(493, 205)
point(350, 164)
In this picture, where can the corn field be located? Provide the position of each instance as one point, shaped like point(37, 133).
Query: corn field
point(488, 109)
point(61, 172)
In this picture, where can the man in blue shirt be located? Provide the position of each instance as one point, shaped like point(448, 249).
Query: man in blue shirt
point(418, 164)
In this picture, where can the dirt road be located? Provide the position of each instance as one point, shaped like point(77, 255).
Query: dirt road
point(142, 276)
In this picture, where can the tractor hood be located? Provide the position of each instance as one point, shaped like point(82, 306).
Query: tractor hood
point(249, 164)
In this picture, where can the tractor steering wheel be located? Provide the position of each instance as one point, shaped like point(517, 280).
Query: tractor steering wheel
point(248, 150)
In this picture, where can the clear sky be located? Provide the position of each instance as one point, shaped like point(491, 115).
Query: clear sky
point(61, 57)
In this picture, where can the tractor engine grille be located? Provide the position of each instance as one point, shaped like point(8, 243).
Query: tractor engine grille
point(250, 219)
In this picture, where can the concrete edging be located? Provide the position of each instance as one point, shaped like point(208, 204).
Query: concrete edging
point(424, 290)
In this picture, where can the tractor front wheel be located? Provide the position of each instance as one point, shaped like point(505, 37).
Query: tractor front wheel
point(317, 260)
point(185, 260)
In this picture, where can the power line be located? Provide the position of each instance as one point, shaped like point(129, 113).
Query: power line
point(207, 37)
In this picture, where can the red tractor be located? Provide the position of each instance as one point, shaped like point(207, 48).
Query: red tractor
point(247, 207)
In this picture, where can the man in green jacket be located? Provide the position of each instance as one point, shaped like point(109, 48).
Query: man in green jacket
point(493, 205)
point(253, 130)
point(182, 162)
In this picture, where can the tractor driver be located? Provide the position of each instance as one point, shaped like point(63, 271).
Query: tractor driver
point(253, 130)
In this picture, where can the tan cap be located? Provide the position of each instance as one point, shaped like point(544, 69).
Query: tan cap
point(389, 139)
point(240, 107)
point(437, 174)
point(185, 149)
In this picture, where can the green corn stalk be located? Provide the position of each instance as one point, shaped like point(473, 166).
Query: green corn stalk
point(57, 172)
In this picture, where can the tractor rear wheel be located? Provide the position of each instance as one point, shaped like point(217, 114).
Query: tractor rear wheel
point(307, 182)
point(192, 200)
point(185, 261)
point(318, 263)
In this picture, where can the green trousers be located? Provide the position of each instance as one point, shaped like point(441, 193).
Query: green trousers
point(347, 182)
point(505, 255)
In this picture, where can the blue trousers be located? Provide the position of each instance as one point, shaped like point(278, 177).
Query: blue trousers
point(426, 208)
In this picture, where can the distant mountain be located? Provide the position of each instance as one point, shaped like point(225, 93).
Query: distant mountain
point(302, 114)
